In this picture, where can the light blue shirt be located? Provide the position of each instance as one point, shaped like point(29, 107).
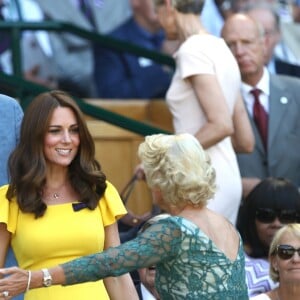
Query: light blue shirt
point(11, 115)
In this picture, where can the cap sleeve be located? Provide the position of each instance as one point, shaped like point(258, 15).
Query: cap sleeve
point(111, 205)
point(8, 210)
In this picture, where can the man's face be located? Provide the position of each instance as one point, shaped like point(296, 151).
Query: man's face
point(247, 45)
point(272, 34)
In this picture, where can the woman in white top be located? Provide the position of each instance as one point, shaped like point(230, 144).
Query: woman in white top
point(204, 98)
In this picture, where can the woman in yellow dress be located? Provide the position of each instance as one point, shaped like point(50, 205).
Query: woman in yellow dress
point(58, 205)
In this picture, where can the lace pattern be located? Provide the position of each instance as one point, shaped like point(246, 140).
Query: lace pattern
point(189, 265)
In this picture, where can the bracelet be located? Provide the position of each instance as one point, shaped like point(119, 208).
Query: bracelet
point(28, 282)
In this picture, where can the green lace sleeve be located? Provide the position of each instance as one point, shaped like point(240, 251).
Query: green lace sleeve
point(159, 242)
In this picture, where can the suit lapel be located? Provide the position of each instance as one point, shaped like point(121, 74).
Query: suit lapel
point(278, 106)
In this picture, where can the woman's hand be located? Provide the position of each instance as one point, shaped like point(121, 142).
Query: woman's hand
point(14, 282)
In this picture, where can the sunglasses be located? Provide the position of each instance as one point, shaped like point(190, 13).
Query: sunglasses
point(267, 215)
point(286, 252)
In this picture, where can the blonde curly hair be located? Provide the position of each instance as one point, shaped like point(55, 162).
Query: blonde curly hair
point(179, 167)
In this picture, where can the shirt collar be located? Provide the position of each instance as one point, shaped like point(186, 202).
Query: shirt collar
point(263, 84)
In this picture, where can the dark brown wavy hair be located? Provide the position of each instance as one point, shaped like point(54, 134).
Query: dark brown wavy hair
point(271, 193)
point(27, 163)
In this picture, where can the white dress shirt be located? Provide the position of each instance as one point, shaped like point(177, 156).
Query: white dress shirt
point(264, 86)
point(146, 294)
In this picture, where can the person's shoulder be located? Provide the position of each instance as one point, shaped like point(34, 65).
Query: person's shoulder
point(119, 33)
point(202, 44)
point(169, 222)
point(110, 187)
point(257, 262)
point(6, 100)
point(3, 188)
point(123, 28)
point(285, 79)
point(3, 191)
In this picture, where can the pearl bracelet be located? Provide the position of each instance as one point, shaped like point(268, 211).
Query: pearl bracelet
point(28, 282)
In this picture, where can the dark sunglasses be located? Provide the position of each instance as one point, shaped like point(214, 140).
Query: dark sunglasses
point(267, 215)
point(286, 251)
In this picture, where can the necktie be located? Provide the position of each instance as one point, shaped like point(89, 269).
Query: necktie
point(260, 117)
point(86, 9)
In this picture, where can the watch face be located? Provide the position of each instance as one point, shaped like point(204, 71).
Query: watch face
point(47, 280)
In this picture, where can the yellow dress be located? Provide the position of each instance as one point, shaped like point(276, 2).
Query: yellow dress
point(62, 234)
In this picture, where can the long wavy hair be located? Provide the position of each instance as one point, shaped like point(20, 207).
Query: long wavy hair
point(27, 164)
point(272, 193)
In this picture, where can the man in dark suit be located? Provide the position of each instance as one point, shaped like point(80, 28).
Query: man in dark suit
point(121, 75)
point(279, 97)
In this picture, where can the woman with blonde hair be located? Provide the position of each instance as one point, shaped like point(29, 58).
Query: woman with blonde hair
point(284, 256)
point(198, 254)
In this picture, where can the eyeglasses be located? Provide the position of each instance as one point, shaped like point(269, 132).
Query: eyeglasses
point(267, 215)
point(286, 252)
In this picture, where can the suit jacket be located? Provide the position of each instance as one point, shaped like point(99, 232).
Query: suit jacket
point(73, 55)
point(286, 68)
point(123, 75)
point(34, 44)
point(108, 14)
point(282, 158)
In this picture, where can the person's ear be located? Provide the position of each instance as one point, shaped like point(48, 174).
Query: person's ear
point(274, 263)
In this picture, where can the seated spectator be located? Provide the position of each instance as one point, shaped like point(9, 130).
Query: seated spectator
point(124, 75)
point(284, 255)
point(271, 204)
point(36, 51)
point(74, 55)
point(278, 102)
point(55, 59)
point(283, 7)
point(279, 57)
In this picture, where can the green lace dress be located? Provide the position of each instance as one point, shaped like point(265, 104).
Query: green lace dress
point(188, 263)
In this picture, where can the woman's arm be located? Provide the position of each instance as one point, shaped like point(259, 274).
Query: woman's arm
point(159, 242)
point(243, 138)
point(120, 287)
point(4, 243)
point(219, 123)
